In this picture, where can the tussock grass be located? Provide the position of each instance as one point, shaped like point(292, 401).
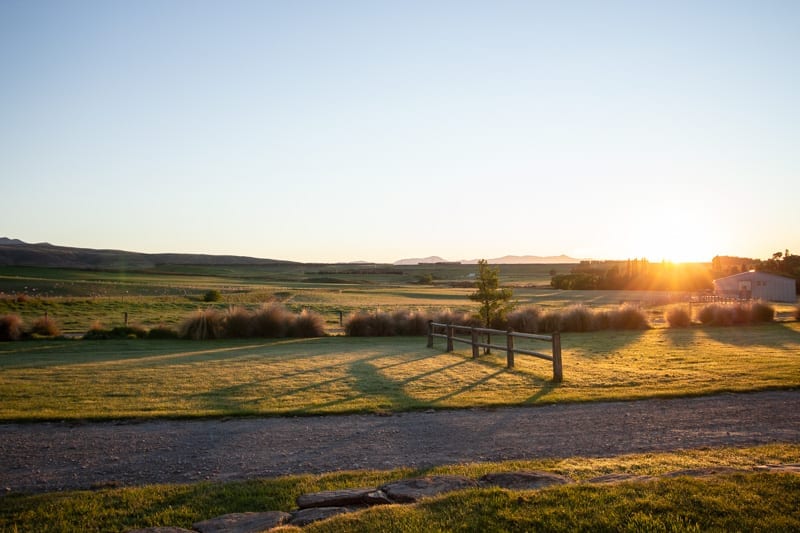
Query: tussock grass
point(738, 314)
point(677, 316)
point(75, 379)
point(46, 327)
point(738, 502)
point(10, 328)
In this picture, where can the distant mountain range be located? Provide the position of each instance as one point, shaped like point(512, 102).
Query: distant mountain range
point(14, 252)
point(505, 260)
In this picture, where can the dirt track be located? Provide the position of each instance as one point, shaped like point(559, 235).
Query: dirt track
point(59, 456)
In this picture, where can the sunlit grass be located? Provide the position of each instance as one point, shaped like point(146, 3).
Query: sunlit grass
point(730, 502)
point(136, 378)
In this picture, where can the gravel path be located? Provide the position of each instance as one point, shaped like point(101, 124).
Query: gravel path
point(59, 456)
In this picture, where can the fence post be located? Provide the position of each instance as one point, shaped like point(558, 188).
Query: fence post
point(430, 333)
point(510, 348)
point(450, 334)
point(475, 349)
point(558, 374)
point(488, 350)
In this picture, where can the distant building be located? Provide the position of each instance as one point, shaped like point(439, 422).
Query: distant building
point(758, 286)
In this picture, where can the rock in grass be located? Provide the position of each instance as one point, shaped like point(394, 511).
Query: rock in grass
point(243, 522)
point(523, 480)
point(412, 490)
point(342, 498)
point(303, 517)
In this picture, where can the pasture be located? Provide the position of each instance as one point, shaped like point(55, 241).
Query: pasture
point(67, 379)
point(71, 379)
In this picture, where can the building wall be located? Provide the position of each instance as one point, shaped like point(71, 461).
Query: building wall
point(757, 285)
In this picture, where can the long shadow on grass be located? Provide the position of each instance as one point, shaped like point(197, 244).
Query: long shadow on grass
point(600, 343)
point(775, 335)
point(369, 381)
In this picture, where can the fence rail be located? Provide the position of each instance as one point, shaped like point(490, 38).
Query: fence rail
point(475, 339)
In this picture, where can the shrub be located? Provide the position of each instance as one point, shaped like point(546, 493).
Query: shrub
point(212, 296)
point(524, 320)
point(45, 326)
point(202, 325)
point(239, 323)
point(271, 321)
point(308, 324)
point(678, 317)
point(628, 317)
point(10, 328)
point(577, 319)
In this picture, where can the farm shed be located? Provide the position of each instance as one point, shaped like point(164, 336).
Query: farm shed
point(758, 286)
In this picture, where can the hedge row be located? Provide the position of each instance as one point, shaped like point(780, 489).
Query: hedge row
point(271, 321)
point(526, 320)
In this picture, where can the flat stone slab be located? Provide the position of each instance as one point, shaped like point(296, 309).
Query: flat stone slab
point(787, 468)
point(243, 522)
point(303, 517)
point(343, 498)
point(523, 480)
point(412, 490)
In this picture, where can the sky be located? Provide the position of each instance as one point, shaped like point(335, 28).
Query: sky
point(328, 131)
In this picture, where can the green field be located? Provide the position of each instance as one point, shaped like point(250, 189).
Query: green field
point(76, 299)
point(58, 379)
point(65, 379)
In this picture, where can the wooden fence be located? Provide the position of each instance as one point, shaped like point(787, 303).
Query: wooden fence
point(475, 339)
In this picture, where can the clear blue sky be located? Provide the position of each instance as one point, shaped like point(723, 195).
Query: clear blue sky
point(378, 130)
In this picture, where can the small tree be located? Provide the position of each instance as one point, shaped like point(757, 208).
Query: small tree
point(495, 301)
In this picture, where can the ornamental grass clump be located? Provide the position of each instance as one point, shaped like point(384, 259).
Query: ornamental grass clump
point(678, 317)
point(203, 325)
point(739, 314)
point(410, 322)
point(525, 320)
point(272, 321)
point(239, 323)
point(307, 324)
point(46, 327)
point(10, 328)
point(577, 318)
point(761, 312)
point(628, 317)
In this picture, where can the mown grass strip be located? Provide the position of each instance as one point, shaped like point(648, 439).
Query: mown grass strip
point(135, 378)
point(749, 501)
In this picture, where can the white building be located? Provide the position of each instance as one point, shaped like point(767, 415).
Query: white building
point(758, 286)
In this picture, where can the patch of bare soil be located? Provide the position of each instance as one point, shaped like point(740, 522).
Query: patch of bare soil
point(68, 455)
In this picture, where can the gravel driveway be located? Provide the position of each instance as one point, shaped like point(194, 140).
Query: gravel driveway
point(69, 455)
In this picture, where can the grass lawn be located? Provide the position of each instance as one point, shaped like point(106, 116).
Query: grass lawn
point(738, 502)
point(137, 378)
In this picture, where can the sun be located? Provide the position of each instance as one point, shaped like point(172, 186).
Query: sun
point(678, 241)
